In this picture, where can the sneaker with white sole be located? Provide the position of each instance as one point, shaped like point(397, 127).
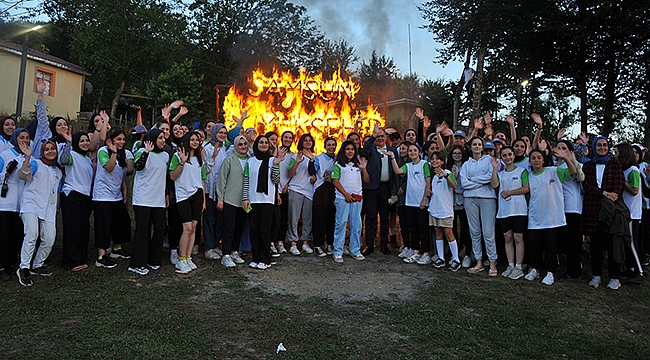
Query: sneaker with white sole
point(467, 261)
point(274, 251)
point(226, 261)
point(139, 270)
point(508, 271)
point(195, 250)
point(153, 267)
point(406, 252)
point(252, 264)
point(106, 262)
point(412, 259)
point(294, 250)
point(337, 258)
point(173, 257)
point(517, 273)
point(212, 255)
point(191, 264)
point(549, 279)
point(307, 249)
point(438, 264)
point(425, 259)
point(262, 266)
point(319, 251)
point(182, 267)
point(330, 249)
point(119, 254)
point(595, 281)
point(532, 275)
point(455, 266)
point(23, 277)
point(359, 257)
point(281, 249)
point(614, 284)
point(237, 258)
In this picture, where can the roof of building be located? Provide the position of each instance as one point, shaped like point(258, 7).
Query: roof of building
point(42, 57)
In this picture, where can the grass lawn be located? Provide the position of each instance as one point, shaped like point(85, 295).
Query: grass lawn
point(230, 314)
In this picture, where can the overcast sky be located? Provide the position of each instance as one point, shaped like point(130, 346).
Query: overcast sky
point(382, 25)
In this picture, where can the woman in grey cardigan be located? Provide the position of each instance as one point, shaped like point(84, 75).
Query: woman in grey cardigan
point(230, 185)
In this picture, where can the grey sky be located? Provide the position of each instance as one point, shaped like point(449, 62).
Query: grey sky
point(382, 25)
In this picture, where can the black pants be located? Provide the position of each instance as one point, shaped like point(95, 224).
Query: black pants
point(213, 224)
point(404, 226)
point(542, 243)
point(284, 218)
point(419, 228)
point(571, 244)
point(464, 237)
point(233, 226)
point(75, 213)
point(112, 222)
point(261, 219)
point(630, 261)
point(175, 226)
point(11, 238)
point(644, 234)
point(376, 203)
point(323, 212)
point(147, 249)
point(599, 242)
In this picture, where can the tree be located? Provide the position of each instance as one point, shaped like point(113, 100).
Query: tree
point(119, 41)
point(180, 81)
point(335, 55)
point(377, 78)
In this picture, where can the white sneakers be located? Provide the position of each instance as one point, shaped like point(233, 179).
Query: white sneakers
point(532, 275)
point(406, 252)
point(306, 249)
point(173, 257)
point(549, 279)
point(614, 284)
point(183, 266)
point(294, 250)
point(212, 254)
point(227, 261)
point(236, 258)
point(595, 281)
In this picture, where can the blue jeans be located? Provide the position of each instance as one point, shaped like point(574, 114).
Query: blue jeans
point(347, 211)
point(481, 215)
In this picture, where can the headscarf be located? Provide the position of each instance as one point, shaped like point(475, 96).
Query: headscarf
point(263, 174)
point(213, 134)
point(14, 139)
point(152, 135)
point(2, 127)
point(597, 158)
point(55, 135)
point(43, 159)
point(76, 137)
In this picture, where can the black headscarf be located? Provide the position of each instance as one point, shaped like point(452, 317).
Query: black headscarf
point(152, 135)
point(55, 135)
point(2, 127)
point(76, 137)
point(14, 139)
point(263, 175)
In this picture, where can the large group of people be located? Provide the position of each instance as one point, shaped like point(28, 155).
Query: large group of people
point(456, 201)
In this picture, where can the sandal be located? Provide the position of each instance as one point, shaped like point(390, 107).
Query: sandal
point(493, 272)
point(79, 267)
point(475, 270)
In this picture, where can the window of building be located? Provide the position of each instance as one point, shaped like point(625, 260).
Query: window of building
point(49, 77)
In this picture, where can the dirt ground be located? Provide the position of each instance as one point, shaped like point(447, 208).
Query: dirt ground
point(380, 276)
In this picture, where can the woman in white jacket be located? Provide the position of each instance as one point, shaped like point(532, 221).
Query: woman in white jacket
point(480, 205)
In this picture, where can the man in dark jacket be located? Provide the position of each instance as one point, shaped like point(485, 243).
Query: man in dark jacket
point(376, 192)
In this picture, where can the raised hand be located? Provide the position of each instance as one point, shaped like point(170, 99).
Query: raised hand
point(183, 110)
point(510, 120)
point(308, 154)
point(561, 133)
point(183, 155)
point(111, 146)
point(585, 139)
point(215, 152)
point(40, 86)
point(419, 113)
point(25, 149)
point(104, 116)
point(537, 119)
point(280, 156)
point(542, 145)
point(299, 158)
point(495, 162)
point(363, 162)
point(559, 153)
point(487, 118)
point(441, 127)
point(426, 122)
point(165, 112)
point(388, 153)
point(447, 132)
point(478, 123)
point(137, 107)
point(176, 104)
point(148, 146)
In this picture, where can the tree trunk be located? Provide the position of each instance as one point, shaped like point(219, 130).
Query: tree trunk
point(478, 80)
point(582, 72)
point(610, 91)
point(116, 98)
point(646, 137)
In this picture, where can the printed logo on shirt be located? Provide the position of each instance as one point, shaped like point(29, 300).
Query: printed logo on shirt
point(515, 178)
point(550, 182)
point(416, 173)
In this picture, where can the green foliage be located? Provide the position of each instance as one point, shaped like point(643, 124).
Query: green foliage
point(180, 81)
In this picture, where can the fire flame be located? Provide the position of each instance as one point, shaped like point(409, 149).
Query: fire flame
point(302, 104)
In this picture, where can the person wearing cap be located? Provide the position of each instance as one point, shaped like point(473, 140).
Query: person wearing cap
point(136, 137)
point(488, 148)
point(498, 144)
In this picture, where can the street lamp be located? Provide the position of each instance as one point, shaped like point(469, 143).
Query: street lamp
point(21, 76)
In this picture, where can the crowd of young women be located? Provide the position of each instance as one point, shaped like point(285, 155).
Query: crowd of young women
point(456, 201)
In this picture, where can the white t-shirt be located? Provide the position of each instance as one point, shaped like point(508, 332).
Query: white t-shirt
point(252, 171)
point(301, 181)
point(441, 205)
point(572, 190)
point(78, 174)
point(14, 194)
point(515, 205)
point(546, 207)
point(40, 194)
point(108, 185)
point(350, 178)
point(190, 179)
point(326, 164)
point(149, 183)
point(416, 181)
point(633, 202)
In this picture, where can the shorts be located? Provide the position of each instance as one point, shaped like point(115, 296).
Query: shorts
point(191, 208)
point(441, 223)
point(517, 224)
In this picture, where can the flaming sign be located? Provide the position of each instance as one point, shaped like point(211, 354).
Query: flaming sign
point(302, 104)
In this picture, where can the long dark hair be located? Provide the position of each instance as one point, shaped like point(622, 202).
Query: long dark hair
point(91, 123)
point(185, 144)
point(121, 153)
point(626, 156)
point(450, 157)
point(341, 159)
point(302, 138)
